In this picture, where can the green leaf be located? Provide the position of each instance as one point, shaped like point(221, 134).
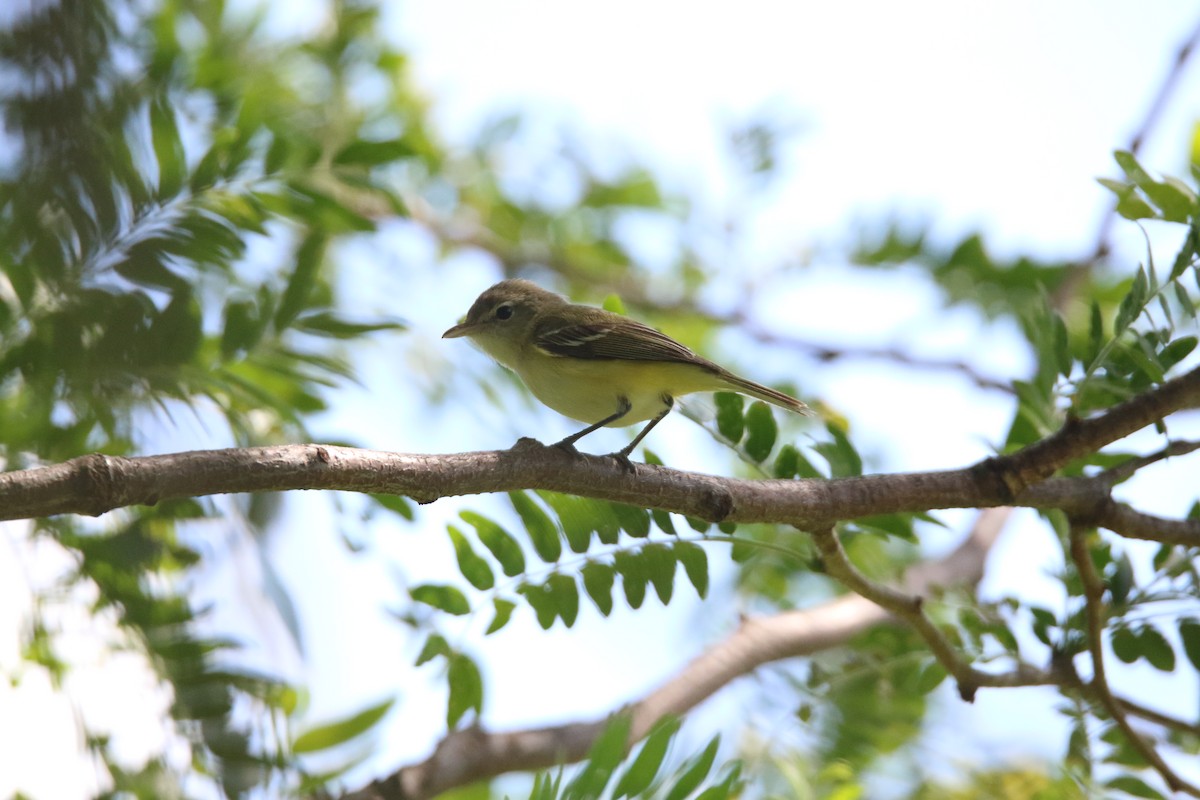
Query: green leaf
point(475, 569)
point(787, 462)
point(498, 541)
point(1189, 632)
point(763, 431)
point(541, 529)
point(663, 520)
point(695, 563)
point(466, 688)
point(366, 153)
point(504, 612)
point(1062, 346)
point(394, 503)
point(1175, 200)
point(1134, 786)
point(1095, 335)
point(326, 736)
point(1177, 351)
point(598, 582)
point(1132, 303)
point(242, 329)
point(1121, 579)
point(634, 521)
point(603, 757)
point(304, 278)
point(659, 561)
point(613, 303)
point(175, 334)
point(730, 421)
point(573, 518)
point(636, 189)
point(648, 761)
point(565, 594)
point(325, 323)
point(168, 148)
point(727, 787)
point(436, 645)
point(844, 460)
point(1185, 301)
point(694, 771)
point(633, 577)
point(542, 601)
point(1155, 648)
point(442, 597)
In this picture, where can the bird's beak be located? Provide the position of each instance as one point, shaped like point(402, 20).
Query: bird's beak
point(461, 329)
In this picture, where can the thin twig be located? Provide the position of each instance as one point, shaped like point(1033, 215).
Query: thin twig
point(1157, 717)
point(1124, 471)
point(1093, 595)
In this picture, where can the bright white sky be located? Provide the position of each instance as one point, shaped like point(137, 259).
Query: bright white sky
point(995, 116)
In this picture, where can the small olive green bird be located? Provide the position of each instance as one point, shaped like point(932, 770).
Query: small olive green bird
point(593, 365)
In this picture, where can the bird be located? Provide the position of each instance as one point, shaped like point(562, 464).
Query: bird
point(593, 365)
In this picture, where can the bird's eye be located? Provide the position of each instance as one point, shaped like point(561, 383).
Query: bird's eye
point(504, 312)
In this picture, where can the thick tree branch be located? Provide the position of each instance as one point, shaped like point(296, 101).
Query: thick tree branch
point(473, 754)
point(95, 484)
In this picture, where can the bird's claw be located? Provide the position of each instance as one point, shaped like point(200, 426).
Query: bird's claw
point(622, 458)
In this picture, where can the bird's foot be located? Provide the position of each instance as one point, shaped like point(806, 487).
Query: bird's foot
point(622, 458)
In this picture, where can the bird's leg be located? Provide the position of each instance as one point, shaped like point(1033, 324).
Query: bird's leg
point(622, 455)
point(568, 444)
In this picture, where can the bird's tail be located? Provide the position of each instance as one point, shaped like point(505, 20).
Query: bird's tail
point(766, 394)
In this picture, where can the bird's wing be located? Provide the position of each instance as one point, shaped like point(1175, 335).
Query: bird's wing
point(617, 338)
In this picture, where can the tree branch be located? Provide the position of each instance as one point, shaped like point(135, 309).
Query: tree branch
point(1093, 595)
point(473, 754)
point(95, 484)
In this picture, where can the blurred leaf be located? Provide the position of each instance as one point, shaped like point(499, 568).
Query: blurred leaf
point(442, 597)
point(541, 599)
point(475, 569)
point(573, 517)
point(566, 597)
point(394, 503)
point(598, 581)
point(504, 611)
point(730, 421)
point(326, 323)
point(763, 431)
point(659, 563)
point(638, 776)
point(637, 189)
point(362, 152)
point(634, 521)
point(304, 277)
point(541, 529)
point(1155, 648)
point(693, 771)
point(844, 461)
point(466, 689)
point(695, 564)
point(435, 646)
point(603, 757)
point(168, 148)
point(1133, 786)
point(1189, 633)
point(498, 541)
point(342, 731)
point(633, 577)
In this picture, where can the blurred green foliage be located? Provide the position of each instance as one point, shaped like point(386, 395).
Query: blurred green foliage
point(173, 190)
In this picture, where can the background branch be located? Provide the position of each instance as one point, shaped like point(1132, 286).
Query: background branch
point(472, 754)
point(1093, 593)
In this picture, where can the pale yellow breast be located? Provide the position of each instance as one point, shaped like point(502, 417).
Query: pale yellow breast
point(590, 390)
